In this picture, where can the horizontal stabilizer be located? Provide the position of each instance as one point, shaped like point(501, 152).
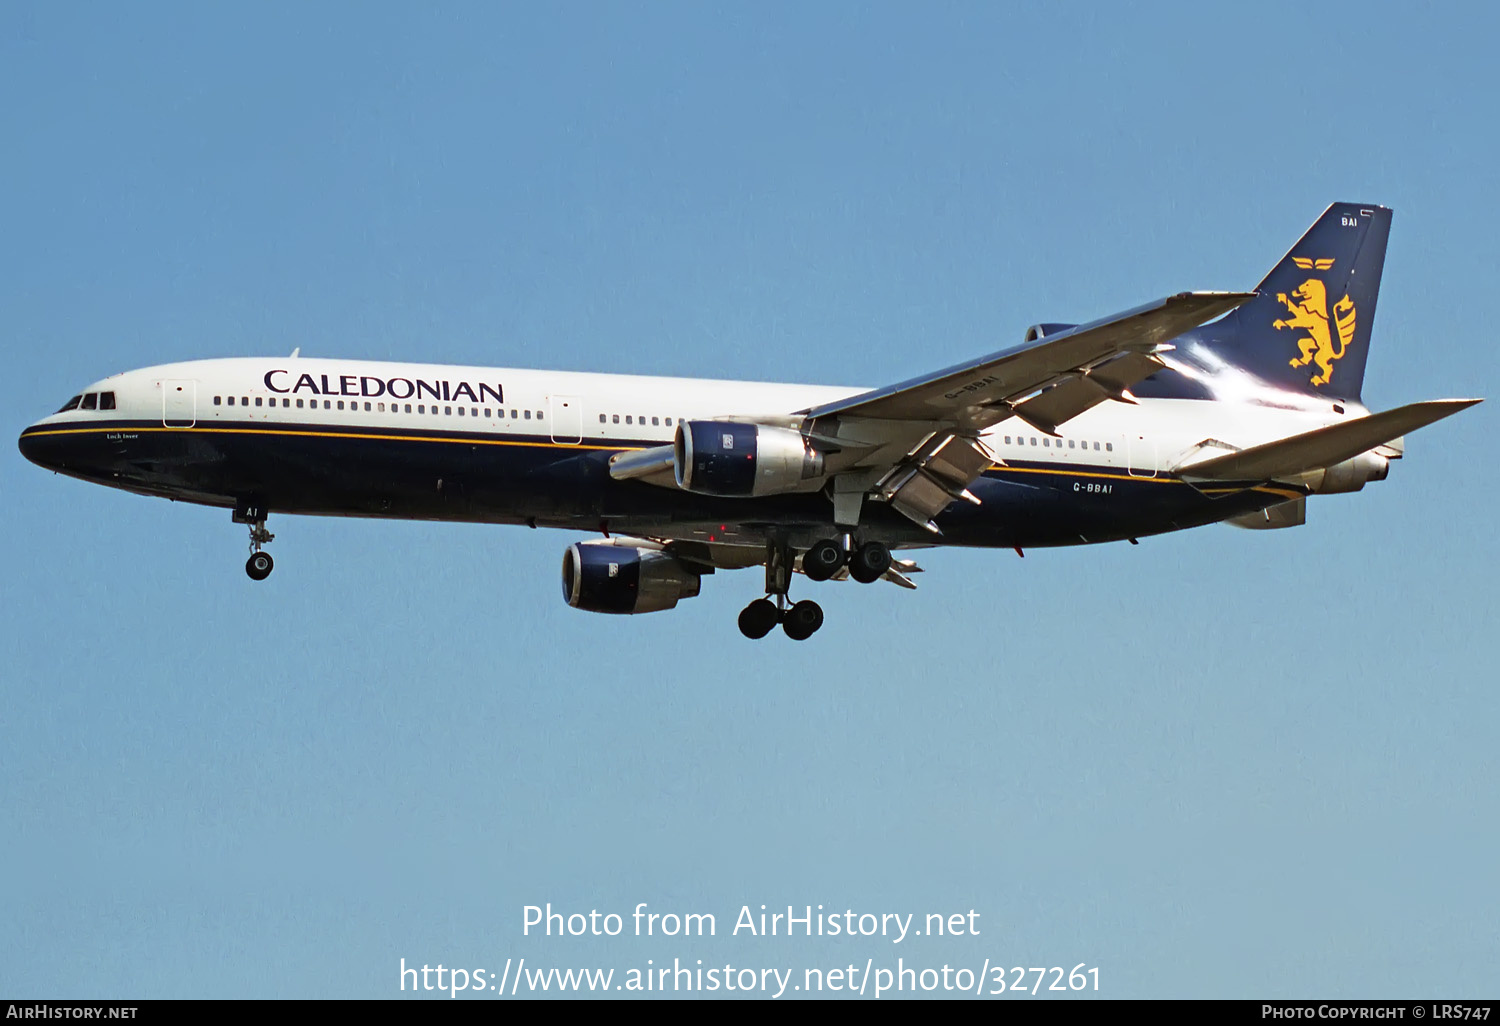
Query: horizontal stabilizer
point(1323, 447)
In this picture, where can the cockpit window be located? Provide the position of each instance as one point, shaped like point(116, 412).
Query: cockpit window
point(71, 404)
point(106, 400)
point(90, 401)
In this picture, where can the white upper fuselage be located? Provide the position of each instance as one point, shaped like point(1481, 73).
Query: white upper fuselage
point(1150, 437)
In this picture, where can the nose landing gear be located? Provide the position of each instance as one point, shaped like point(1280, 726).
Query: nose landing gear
point(260, 564)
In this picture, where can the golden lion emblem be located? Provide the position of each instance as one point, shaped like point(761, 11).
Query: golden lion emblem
point(1308, 305)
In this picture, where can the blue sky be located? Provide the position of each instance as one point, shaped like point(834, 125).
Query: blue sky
point(1221, 763)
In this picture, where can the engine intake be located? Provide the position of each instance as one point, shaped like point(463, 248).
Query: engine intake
point(1037, 331)
point(730, 458)
point(602, 577)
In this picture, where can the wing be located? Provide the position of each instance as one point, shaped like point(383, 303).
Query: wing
point(916, 445)
point(930, 425)
point(1048, 381)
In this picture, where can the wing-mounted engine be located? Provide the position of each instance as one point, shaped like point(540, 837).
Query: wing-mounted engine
point(730, 458)
point(603, 577)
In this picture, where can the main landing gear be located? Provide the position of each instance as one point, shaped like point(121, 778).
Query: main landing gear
point(260, 564)
point(867, 563)
point(800, 620)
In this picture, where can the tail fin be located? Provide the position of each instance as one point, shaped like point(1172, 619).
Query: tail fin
point(1308, 328)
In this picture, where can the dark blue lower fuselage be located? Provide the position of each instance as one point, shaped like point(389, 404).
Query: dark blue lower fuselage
point(521, 479)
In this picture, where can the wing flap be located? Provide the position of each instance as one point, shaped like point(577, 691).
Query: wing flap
point(1322, 447)
point(932, 478)
point(1073, 394)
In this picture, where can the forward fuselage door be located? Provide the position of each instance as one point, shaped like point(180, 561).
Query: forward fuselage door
point(566, 417)
point(179, 403)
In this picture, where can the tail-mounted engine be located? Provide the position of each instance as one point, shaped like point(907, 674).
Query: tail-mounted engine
point(1037, 331)
point(730, 458)
point(602, 577)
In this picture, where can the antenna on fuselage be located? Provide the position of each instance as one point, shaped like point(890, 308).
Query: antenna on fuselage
point(295, 353)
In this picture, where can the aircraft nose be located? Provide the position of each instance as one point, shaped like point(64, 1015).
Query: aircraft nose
point(39, 448)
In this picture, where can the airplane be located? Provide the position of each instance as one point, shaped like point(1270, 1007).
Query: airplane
point(1199, 408)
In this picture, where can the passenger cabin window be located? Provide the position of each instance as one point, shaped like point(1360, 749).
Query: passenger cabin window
point(231, 400)
point(71, 404)
point(218, 400)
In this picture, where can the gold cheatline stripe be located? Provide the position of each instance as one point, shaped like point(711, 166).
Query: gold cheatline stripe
point(574, 445)
point(1084, 473)
point(468, 440)
point(1144, 480)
